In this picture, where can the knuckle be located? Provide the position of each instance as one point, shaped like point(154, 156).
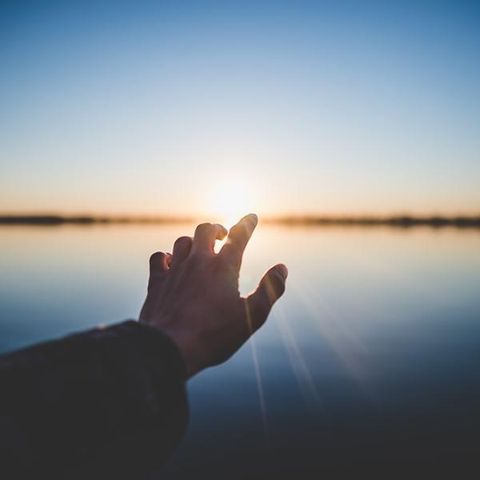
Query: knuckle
point(180, 241)
point(203, 227)
point(200, 258)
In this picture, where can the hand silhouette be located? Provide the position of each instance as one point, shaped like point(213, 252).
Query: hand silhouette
point(193, 294)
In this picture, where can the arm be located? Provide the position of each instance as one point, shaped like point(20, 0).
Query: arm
point(103, 400)
point(114, 398)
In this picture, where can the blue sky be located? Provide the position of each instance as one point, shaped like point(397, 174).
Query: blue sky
point(311, 106)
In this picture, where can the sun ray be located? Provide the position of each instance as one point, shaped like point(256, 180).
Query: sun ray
point(346, 346)
point(299, 366)
point(261, 394)
point(258, 376)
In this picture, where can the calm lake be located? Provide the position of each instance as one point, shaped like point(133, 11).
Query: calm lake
point(372, 355)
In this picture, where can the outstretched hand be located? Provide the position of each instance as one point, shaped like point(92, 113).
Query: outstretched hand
point(193, 294)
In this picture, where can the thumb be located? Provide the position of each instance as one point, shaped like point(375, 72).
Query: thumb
point(269, 290)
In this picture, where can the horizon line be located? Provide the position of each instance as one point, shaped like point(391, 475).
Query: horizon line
point(393, 220)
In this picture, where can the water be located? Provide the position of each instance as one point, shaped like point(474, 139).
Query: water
point(371, 356)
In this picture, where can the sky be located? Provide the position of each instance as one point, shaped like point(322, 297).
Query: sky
point(268, 106)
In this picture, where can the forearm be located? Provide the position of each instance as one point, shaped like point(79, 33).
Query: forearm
point(107, 397)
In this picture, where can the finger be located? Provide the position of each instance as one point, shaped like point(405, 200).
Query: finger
point(205, 236)
point(238, 238)
point(159, 263)
point(181, 250)
point(269, 290)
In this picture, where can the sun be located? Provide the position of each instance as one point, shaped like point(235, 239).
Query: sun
point(231, 200)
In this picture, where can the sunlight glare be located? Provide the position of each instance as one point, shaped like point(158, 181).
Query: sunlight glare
point(230, 201)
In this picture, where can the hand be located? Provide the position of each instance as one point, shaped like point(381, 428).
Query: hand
point(193, 294)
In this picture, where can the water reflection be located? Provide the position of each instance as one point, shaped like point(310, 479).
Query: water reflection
point(372, 355)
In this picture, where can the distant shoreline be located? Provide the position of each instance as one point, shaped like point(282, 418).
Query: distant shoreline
point(88, 220)
point(399, 221)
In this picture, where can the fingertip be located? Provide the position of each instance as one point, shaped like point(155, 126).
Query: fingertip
point(181, 243)
point(221, 231)
point(269, 290)
point(202, 230)
point(156, 258)
point(238, 238)
point(181, 249)
point(273, 282)
point(158, 262)
point(282, 270)
point(205, 236)
point(252, 218)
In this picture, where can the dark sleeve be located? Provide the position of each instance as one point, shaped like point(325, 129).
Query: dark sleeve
point(106, 403)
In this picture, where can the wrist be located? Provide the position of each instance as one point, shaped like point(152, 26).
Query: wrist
point(187, 348)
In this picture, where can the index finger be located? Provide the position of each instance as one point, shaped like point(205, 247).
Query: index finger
point(238, 238)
